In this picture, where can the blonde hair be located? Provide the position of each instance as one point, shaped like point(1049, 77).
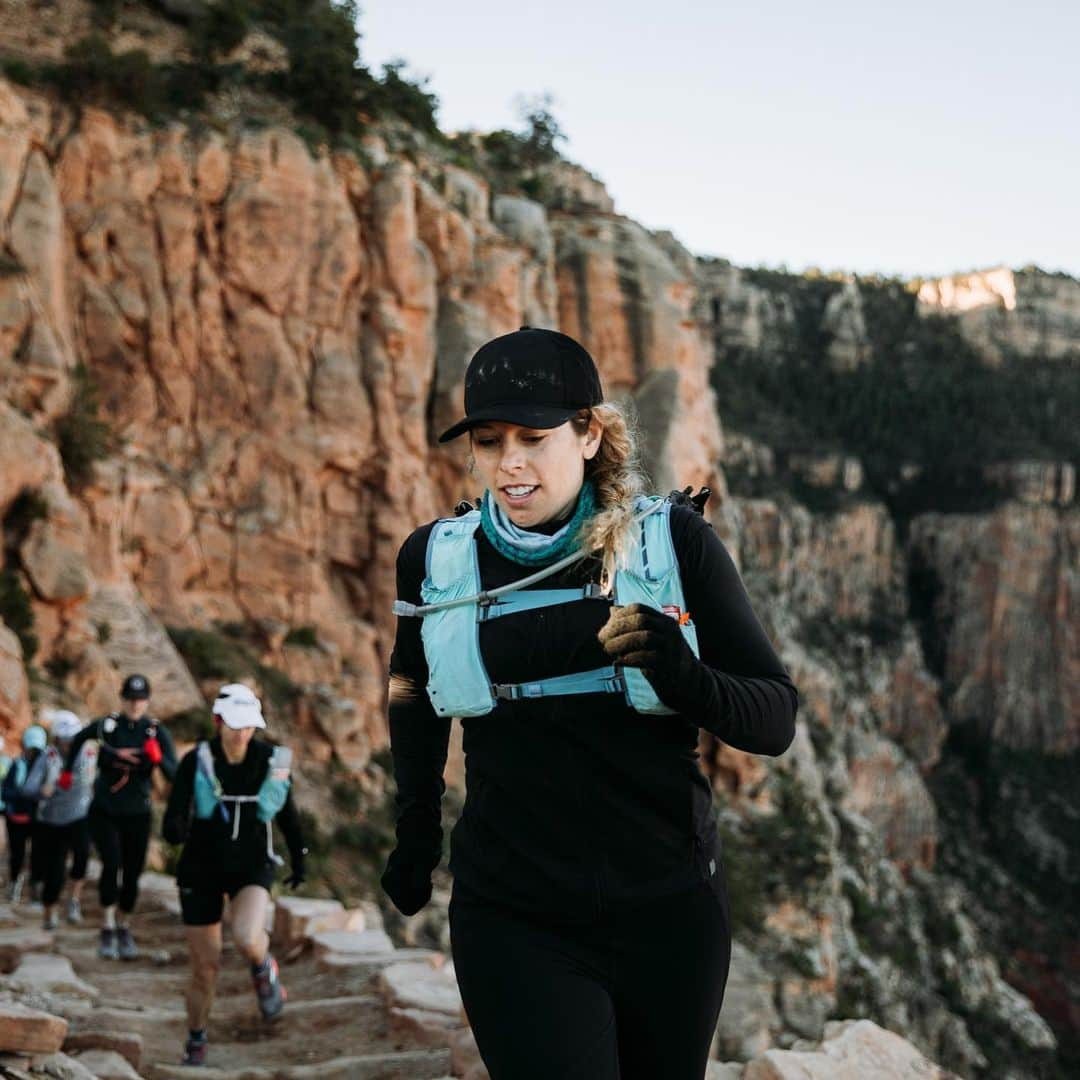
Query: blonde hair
point(618, 477)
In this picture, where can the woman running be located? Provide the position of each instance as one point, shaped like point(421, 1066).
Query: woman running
point(132, 744)
point(589, 919)
point(227, 793)
point(62, 825)
point(21, 792)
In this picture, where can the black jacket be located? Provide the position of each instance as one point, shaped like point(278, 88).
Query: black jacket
point(210, 852)
point(577, 803)
point(22, 799)
point(123, 789)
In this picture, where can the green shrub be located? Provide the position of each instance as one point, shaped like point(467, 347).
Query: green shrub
point(17, 612)
point(770, 857)
point(191, 725)
point(304, 636)
point(925, 398)
point(59, 668)
point(19, 71)
point(220, 28)
point(212, 655)
point(324, 65)
point(81, 435)
point(410, 101)
point(27, 508)
point(225, 654)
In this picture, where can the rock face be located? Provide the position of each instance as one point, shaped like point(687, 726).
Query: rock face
point(277, 336)
point(268, 330)
point(999, 590)
point(1003, 311)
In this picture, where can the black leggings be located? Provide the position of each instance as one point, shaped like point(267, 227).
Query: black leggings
point(121, 841)
point(51, 846)
point(17, 837)
point(632, 996)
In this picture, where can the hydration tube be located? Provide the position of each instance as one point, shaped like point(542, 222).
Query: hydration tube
point(405, 609)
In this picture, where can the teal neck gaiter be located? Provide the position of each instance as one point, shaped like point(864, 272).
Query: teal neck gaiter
point(535, 548)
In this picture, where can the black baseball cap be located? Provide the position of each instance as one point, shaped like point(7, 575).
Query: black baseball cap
point(135, 687)
point(533, 377)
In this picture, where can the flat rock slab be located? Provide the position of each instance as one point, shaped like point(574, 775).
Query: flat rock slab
point(126, 1044)
point(30, 1031)
point(14, 943)
point(51, 974)
point(351, 941)
point(374, 961)
point(420, 986)
point(107, 1065)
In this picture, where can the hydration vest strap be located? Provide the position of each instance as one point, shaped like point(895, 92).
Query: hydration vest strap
point(605, 680)
point(535, 599)
point(222, 799)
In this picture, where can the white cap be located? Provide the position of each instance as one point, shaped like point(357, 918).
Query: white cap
point(64, 724)
point(238, 707)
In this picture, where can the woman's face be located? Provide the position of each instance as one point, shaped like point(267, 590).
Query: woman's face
point(235, 740)
point(534, 474)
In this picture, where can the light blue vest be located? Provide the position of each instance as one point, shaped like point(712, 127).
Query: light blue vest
point(209, 795)
point(458, 683)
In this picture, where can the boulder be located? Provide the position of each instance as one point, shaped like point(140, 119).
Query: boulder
point(14, 943)
point(298, 918)
point(50, 974)
point(851, 1050)
point(107, 1065)
point(30, 1031)
point(126, 1044)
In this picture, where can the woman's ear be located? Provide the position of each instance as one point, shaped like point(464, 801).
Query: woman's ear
point(593, 438)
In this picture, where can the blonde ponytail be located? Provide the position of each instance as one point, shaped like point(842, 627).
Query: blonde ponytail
point(617, 475)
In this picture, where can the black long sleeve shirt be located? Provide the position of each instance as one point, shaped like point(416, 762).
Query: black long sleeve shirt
point(122, 788)
point(576, 803)
point(210, 850)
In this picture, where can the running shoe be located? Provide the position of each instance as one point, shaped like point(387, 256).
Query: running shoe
point(268, 988)
point(50, 922)
point(108, 949)
point(195, 1050)
point(126, 944)
point(74, 911)
point(15, 890)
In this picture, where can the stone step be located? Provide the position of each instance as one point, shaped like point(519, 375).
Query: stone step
point(394, 1065)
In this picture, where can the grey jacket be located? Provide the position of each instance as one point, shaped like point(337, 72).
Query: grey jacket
point(64, 807)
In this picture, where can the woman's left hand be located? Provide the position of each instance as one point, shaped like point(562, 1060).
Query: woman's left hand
point(642, 637)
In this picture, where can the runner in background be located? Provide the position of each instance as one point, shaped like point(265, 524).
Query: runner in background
point(20, 793)
point(62, 826)
point(227, 793)
point(132, 744)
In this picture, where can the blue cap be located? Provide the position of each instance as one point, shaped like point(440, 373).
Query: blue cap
point(34, 738)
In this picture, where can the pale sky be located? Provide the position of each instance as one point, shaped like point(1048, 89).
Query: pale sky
point(915, 138)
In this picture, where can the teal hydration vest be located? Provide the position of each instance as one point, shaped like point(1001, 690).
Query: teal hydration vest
point(458, 683)
point(270, 798)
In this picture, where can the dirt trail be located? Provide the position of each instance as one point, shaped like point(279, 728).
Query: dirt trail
point(336, 1022)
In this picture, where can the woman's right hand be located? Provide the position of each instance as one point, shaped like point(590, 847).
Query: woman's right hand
point(407, 883)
